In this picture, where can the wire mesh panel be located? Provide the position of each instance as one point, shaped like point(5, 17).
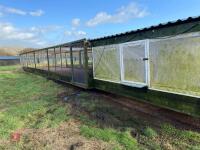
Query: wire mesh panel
point(78, 70)
point(134, 62)
point(65, 54)
point(58, 57)
point(68, 59)
point(37, 59)
point(76, 59)
point(42, 60)
point(24, 63)
point(63, 57)
point(63, 67)
point(82, 58)
point(28, 60)
point(21, 60)
point(51, 56)
point(89, 53)
point(175, 64)
point(90, 58)
point(31, 60)
point(106, 61)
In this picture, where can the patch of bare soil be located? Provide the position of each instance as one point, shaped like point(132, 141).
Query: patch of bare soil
point(65, 137)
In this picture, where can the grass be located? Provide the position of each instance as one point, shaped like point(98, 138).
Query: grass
point(184, 135)
point(150, 133)
point(28, 101)
point(108, 135)
point(148, 136)
point(9, 68)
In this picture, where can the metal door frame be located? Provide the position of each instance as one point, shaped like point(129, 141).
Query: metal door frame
point(146, 68)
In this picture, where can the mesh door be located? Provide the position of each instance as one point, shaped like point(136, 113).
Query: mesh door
point(133, 63)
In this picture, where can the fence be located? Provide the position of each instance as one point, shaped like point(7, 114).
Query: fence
point(169, 64)
point(71, 61)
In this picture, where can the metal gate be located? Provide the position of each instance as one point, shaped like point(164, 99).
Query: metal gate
point(134, 63)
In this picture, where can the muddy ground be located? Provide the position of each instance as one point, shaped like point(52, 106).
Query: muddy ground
point(116, 111)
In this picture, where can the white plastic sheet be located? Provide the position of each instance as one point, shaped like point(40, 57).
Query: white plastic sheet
point(106, 61)
point(175, 64)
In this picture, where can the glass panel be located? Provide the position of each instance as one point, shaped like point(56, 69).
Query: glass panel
point(133, 63)
point(175, 64)
point(107, 62)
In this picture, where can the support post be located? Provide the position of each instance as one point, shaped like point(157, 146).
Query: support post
point(80, 59)
point(48, 59)
point(86, 62)
point(61, 56)
point(54, 50)
point(72, 65)
point(66, 59)
point(26, 60)
point(34, 59)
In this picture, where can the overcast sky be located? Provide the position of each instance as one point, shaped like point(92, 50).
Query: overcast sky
point(38, 23)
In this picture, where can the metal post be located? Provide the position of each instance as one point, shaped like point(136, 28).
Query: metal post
point(26, 60)
point(48, 59)
point(86, 62)
point(80, 59)
point(34, 59)
point(61, 56)
point(72, 65)
point(55, 58)
point(66, 59)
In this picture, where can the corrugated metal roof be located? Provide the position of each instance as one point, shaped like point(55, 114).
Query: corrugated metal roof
point(161, 25)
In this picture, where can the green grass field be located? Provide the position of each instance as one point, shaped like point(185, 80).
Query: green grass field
point(29, 104)
point(26, 100)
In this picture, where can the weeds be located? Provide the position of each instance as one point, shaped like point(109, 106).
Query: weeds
point(150, 133)
point(123, 138)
